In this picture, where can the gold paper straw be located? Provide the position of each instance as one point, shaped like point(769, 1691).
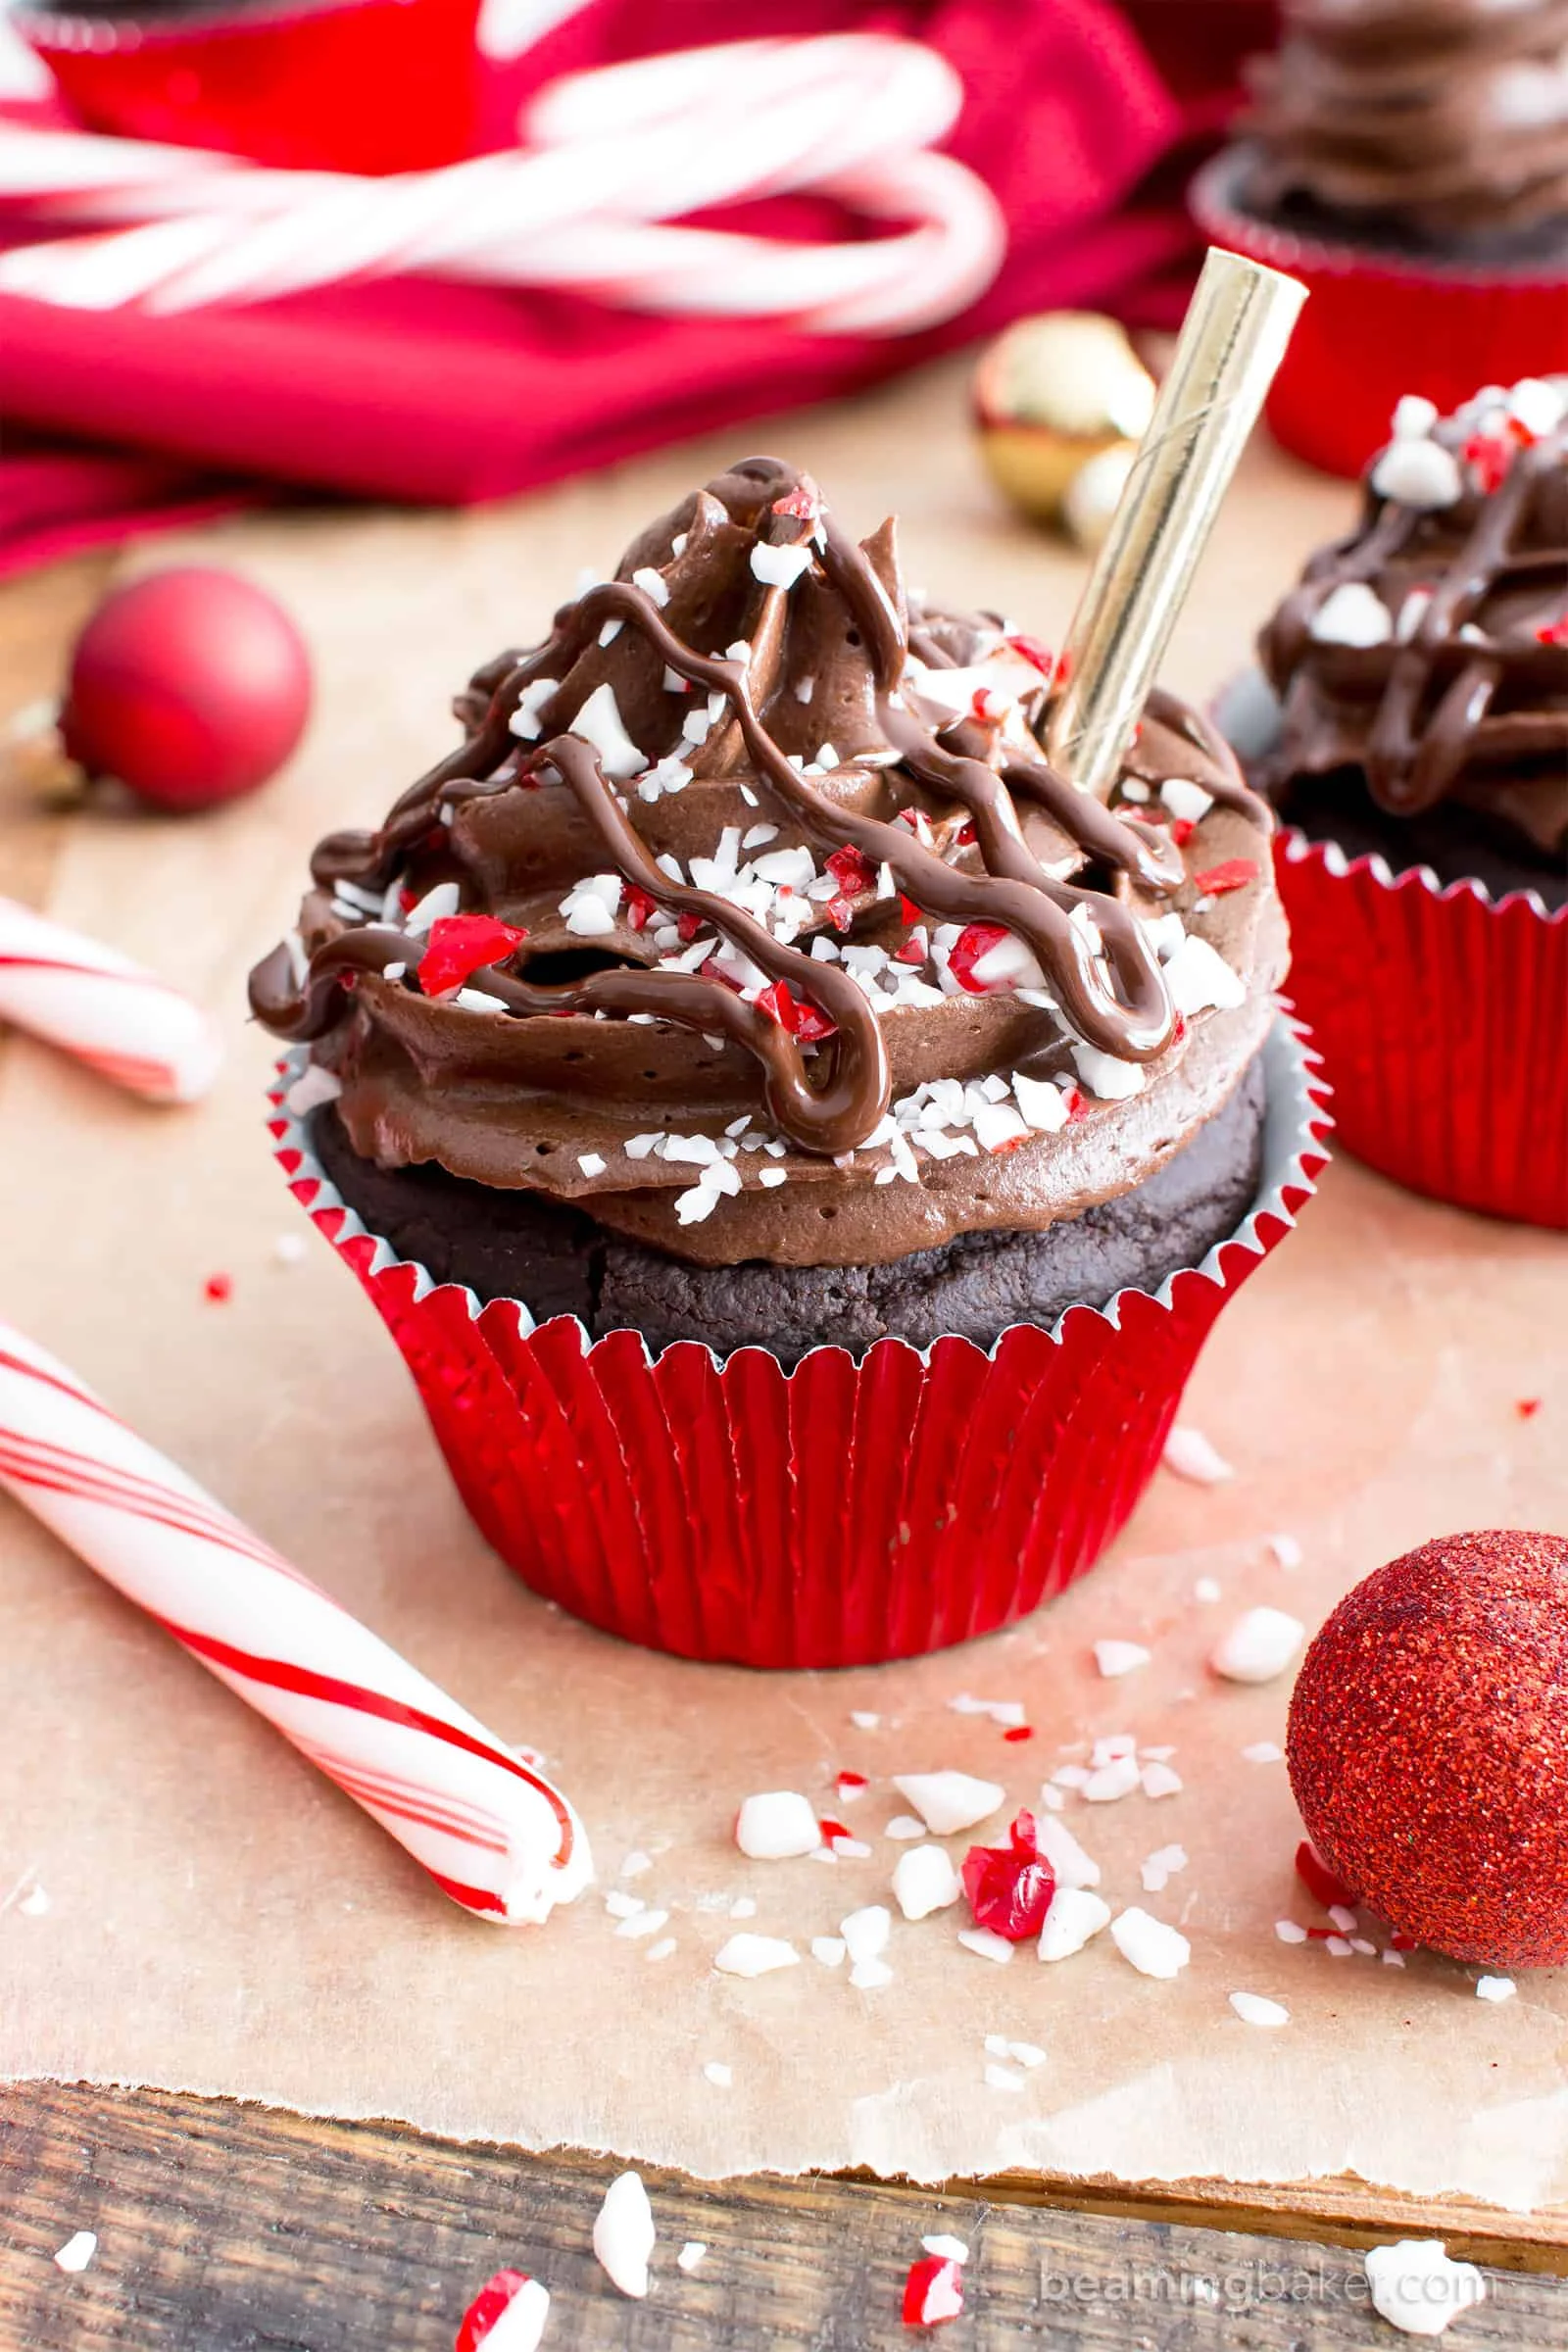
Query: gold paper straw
point(1231, 340)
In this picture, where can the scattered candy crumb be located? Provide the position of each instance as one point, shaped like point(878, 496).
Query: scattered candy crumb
point(1287, 1554)
point(289, 1249)
point(1191, 1456)
point(1161, 1868)
point(35, 1903)
point(989, 1947)
point(1149, 1944)
point(830, 1950)
point(76, 2252)
point(1259, 1647)
point(218, 1288)
point(1158, 1779)
point(755, 1955)
point(1495, 1989)
point(1076, 1914)
point(1416, 2287)
point(945, 2248)
point(777, 1826)
point(718, 2074)
point(933, 2292)
point(1528, 1407)
point(692, 2256)
point(863, 1721)
point(1208, 1591)
point(1255, 2009)
point(507, 2315)
point(623, 2234)
point(904, 1826)
point(948, 1801)
point(1117, 1658)
point(1263, 1752)
point(924, 1880)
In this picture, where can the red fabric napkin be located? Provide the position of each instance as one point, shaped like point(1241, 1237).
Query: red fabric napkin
point(413, 389)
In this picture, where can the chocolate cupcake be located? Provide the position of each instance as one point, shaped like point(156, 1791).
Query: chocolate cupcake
point(1412, 732)
point(748, 986)
point(1409, 159)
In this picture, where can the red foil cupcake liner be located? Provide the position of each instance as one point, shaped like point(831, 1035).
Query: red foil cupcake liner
point(1442, 1016)
point(1380, 324)
point(837, 1515)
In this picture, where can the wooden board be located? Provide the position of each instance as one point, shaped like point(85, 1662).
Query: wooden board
point(223, 2228)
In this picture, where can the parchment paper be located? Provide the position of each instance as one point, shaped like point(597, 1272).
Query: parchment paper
point(221, 1920)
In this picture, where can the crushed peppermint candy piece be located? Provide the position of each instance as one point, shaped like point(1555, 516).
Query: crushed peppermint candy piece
point(1076, 1914)
point(950, 2250)
point(948, 1801)
point(904, 1826)
point(1257, 1647)
point(599, 722)
point(1198, 979)
point(460, 945)
point(1158, 1779)
point(1149, 1944)
point(692, 2256)
point(720, 2075)
point(1185, 800)
point(933, 2292)
point(1106, 1076)
point(1071, 1865)
point(1255, 2009)
point(507, 2315)
point(1263, 1752)
point(1117, 1658)
point(1417, 2288)
point(1208, 1591)
point(1010, 1886)
point(1285, 1552)
point(1289, 1931)
point(777, 1826)
point(987, 1942)
point(1495, 1989)
point(747, 1955)
point(865, 1932)
point(863, 1719)
point(1352, 614)
point(830, 1950)
point(1112, 1781)
point(1232, 873)
point(77, 2252)
point(780, 567)
point(1001, 2077)
point(924, 1880)
point(623, 2234)
point(1319, 1881)
point(1158, 1871)
point(1414, 470)
point(1191, 1456)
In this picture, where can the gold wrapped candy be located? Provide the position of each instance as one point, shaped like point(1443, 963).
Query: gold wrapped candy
point(1051, 395)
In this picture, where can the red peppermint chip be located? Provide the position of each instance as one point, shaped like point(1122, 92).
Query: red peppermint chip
point(1077, 1105)
point(832, 1829)
point(1555, 631)
point(802, 1020)
point(912, 952)
point(1319, 1881)
point(461, 945)
point(852, 1780)
point(1489, 457)
point(688, 925)
point(494, 2297)
point(841, 913)
point(639, 908)
point(218, 1288)
point(854, 873)
point(1182, 829)
point(970, 948)
point(1528, 1407)
point(1031, 649)
point(804, 501)
point(933, 2292)
point(910, 910)
point(1234, 873)
point(1018, 1731)
point(1010, 1886)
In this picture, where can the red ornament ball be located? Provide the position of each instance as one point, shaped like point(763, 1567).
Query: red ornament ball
point(1427, 1747)
point(190, 685)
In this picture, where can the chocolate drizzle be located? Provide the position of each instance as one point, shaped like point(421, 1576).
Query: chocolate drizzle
point(848, 610)
point(1468, 697)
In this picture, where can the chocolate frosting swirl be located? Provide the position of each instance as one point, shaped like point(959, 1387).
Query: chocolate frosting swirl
point(1429, 649)
point(1443, 117)
point(782, 845)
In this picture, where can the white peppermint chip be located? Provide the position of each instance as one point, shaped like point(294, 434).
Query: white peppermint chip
point(1026, 2053)
point(1001, 2077)
point(1254, 2009)
point(434, 908)
point(948, 1801)
point(1074, 1916)
point(944, 2248)
point(1495, 1989)
point(525, 720)
point(1158, 1871)
point(1263, 1752)
point(1153, 1948)
point(988, 1945)
point(863, 1719)
point(1187, 802)
point(720, 2075)
point(996, 1126)
point(1208, 1591)
point(693, 2254)
point(34, 1904)
point(776, 1825)
point(701, 1201)
point(78, 2251)
point(830, 1950)
point(1117, 1658)
point(747, 1955)
point(1413, 417)
point(1191, 1455)
point(1289, 1931)
point(1199, 980)
point(904, 1826)
point(623, 2234)
point(1287, 1554)
point(652, 583)
point(1416, 2288)
point(867, 1976)
point(1352, 614)
point(599, 722)
point(1112, 1781)
point(590, 1163)
point(1105, 1075)
point(1257, 1647)
point(1070, 1866)
point(643, 1923)
point(779, 566)
point(865, 1932)
point(1158, 1779)
point(1416, 473)
point(1043, 1106)
point(622, 1905)
point(924, 1880)
point(1538, 406)
point(1010, 963)
point(610, 632)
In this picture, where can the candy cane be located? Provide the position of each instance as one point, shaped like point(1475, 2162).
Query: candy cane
point(611, 157)
point(490, 1830)
point(103, 1008)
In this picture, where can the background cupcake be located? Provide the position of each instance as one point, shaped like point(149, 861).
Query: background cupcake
point(1409, 160)
point(746, 986)
point(1414, 739)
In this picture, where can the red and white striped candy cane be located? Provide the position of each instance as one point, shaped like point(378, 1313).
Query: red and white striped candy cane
point(490, 1830)
point(103, 1008)
point(611, 158)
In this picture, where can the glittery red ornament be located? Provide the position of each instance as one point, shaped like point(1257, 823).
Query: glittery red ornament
point(1427, 1747)
point(190, 685)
